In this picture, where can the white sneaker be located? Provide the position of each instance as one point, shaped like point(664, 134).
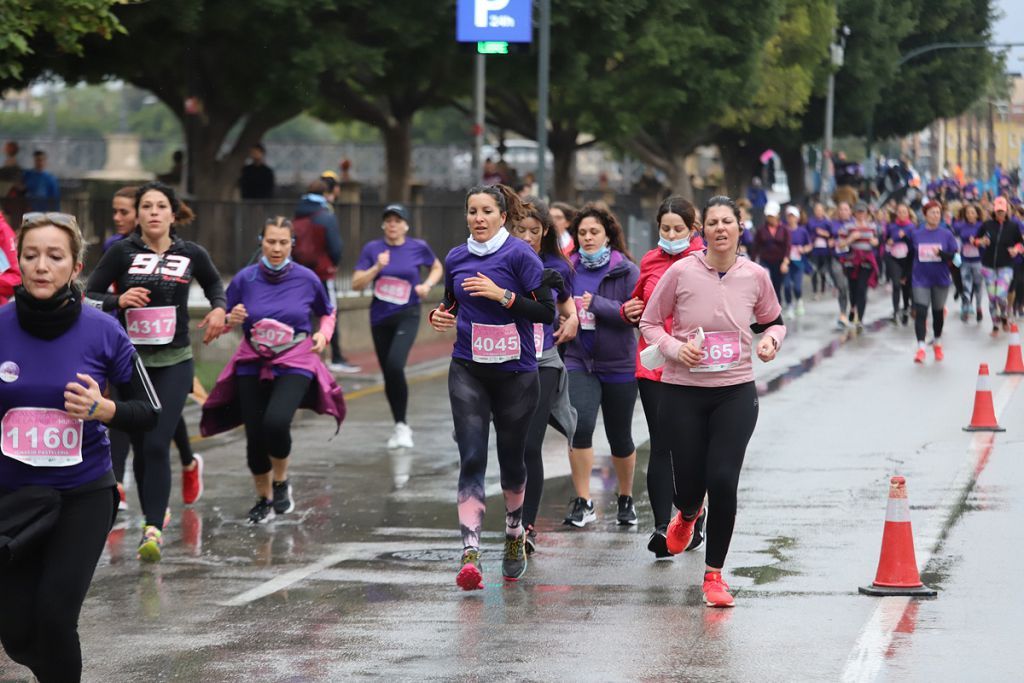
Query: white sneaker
point(402, 436)
point(790, 311)
point(345, 368)
point(800, 307)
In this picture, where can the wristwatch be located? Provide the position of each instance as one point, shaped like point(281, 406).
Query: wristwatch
point(506, 299)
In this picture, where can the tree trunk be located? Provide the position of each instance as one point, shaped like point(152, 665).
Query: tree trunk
point(679, 177)
point(738, 165)
point(796, 172)
point(398, 153)
point(563, 148)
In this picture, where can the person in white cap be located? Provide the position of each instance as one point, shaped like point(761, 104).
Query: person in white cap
point(800, 245)
point(771, 246)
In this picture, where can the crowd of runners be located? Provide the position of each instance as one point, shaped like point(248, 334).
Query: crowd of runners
point(554, 323)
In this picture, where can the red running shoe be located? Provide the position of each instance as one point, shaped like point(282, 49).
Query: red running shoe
point(937, 348)
point(680, 531)
point(122, 503)
point(192, 482)
point(919, 356)
point(716, 591)
point(470, 578)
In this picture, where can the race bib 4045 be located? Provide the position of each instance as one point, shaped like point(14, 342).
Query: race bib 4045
point(495, 343)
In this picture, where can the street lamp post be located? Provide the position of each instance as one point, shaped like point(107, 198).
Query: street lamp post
point(837, 50)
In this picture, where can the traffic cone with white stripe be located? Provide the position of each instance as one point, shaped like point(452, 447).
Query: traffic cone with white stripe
point(1014, 360)
point(897, 566)
point(984, 417)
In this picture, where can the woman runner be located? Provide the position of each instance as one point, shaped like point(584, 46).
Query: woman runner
point(966, 230)
point(601, 360)
point(57, 358)
point(153, 268)
point(709, 403)
point(553, 406)
point(493, 295)
point(392, 265)
point(277, 367)
point(678, 236)
point(933, 248)
point(899, 262)
point(1000, 236)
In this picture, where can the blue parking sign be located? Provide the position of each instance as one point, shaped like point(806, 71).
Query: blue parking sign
point(493, 20)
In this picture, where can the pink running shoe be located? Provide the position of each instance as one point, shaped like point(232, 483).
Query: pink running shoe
point(680, 531)
point(716, 591)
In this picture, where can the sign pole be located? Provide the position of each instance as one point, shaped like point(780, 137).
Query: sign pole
point(543, 72)
point(479, 94)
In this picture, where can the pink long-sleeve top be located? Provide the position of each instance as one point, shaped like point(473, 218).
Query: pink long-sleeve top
point(693, 295)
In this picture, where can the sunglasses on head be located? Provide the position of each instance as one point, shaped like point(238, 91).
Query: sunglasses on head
point(35, 219)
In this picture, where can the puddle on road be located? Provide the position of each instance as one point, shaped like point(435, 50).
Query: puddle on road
point(770, 573)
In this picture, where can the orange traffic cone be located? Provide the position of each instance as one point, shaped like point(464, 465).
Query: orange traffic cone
point(897, 565)
point(984, 417)
point(1014, 361)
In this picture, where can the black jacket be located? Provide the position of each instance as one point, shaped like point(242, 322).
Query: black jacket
point(1003, 235)
point(130, 263)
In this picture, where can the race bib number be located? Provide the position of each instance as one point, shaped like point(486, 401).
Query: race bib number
point(899, 250)
point(721, 351)
point(820, 242)
point(587, 319)
point(495, 343)
point(795, 254)
point(971, 251)
point(151, 326)
point(538, 339)
point(393, 290)
point(269, 333)
point(41, 437)
point(928, 253)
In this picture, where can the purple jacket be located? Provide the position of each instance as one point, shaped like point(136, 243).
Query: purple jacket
point(221, 411)
point(615, 340)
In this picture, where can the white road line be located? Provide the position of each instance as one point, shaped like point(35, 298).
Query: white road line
point(868, 654)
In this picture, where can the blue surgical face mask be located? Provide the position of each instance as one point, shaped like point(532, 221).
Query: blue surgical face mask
point(280, 266)
point(597, 259)
point(674, 247)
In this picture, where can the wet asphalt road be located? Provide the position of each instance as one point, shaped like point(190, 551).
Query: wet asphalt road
point(358, 582)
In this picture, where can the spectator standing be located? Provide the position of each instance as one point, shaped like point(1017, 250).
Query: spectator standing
point(10, 172)
point(41, 187)
point(257, 180)
point(318, 246)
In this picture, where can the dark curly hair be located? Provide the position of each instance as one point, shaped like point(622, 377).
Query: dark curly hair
point(612, 227)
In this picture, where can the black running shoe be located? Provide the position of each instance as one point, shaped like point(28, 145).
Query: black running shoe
point(580, 512)
point(657, 544)
point(531, 540)
point(262, 512)
point(699, 532)
point(627, 513)
point(513, 564)
point(283, 503)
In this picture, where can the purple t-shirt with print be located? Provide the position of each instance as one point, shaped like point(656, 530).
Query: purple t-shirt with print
point(562, 267)
point(394, 288)
point(290, 301)
point(33, 374)
point(929, 268)
point(514, 266)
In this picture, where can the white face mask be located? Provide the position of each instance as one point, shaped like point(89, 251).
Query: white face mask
point(490, 246)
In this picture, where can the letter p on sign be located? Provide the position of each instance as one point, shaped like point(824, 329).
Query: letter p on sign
point(485, 7)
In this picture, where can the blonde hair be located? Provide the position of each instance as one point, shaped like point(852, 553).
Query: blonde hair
point(62, 221)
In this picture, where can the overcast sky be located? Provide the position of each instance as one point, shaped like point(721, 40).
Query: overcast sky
point(1010, 29)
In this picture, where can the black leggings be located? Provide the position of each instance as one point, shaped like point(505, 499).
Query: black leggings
point(392, 340)
point(858, 289)
point(120, 443)
point(267, 412)
point(936, 297)
point(899, 275)
point(708, 429)
point(615, 399)
point(659, 466)
point(534, 456)
point(476, 393)
point(43, 593)
point(152, 461)
point(819, 276)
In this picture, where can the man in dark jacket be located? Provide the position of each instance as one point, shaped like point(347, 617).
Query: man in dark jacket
point(318, 246)
point(257, 180)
